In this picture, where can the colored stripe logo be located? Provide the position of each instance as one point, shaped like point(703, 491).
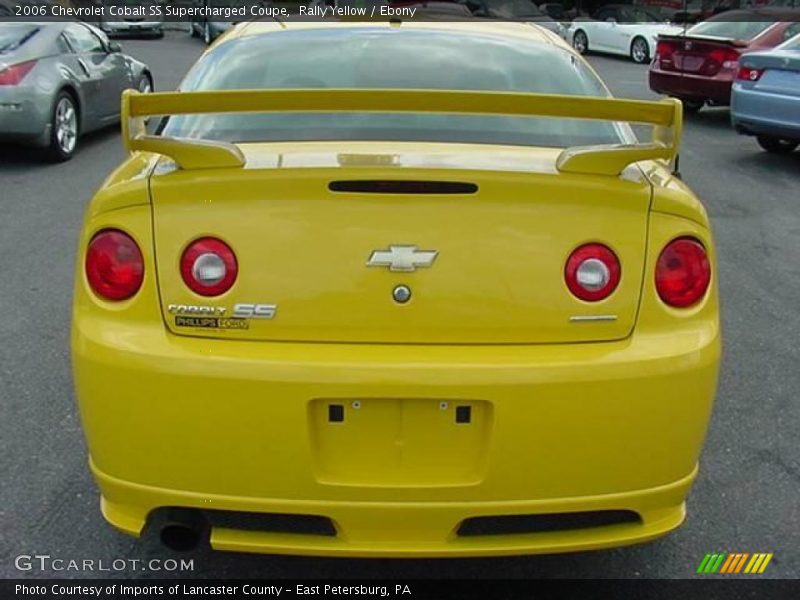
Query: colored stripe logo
point(735, 562)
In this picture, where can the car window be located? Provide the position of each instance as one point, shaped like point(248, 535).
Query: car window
point(792, 44)
point(82, 40)
point(632, 14)
point(62, 44)
point(606, 13)
point(791, 31)
point(14, 35)
point(356, 58)
point(734, 30)
point(100, 33)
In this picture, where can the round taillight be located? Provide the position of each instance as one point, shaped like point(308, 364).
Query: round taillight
point(208, 267)
point(592, 272)
point(683, 272)
point(114, 265)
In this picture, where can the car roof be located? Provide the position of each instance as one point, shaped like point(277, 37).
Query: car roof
point(38, 45)
point(502, 29)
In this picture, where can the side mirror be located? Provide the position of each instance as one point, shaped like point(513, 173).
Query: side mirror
point(114, 47)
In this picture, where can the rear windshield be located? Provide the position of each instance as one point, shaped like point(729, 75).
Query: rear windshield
point(13, 35)
point(732, 30)
point(633, 14)
point(384, 58)
point(792, 44)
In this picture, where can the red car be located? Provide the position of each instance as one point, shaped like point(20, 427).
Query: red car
point(700, 66)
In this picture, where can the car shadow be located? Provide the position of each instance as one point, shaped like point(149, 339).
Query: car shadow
point(629, 562)
point(761, 159)
point(617, 58)
point(711, 117)
point(13, 156)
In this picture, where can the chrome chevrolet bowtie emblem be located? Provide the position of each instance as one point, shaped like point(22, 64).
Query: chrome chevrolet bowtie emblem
point(402, 258)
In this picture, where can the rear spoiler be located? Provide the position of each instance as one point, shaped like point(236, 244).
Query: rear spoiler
point(666, 116)
point(673, 37)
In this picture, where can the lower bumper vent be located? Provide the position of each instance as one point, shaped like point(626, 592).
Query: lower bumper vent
point(271, 522)
point(519, 524)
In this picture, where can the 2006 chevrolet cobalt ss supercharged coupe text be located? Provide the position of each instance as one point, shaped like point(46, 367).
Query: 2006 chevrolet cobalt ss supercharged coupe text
point(447, 307)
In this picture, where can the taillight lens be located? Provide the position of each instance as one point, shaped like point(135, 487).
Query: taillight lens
point(592, 272)
point(748, 74)
point(665, 50)
point(209, 267)
point(683, 273)
point(114, 265)
point(15, 73)
point(727, 57)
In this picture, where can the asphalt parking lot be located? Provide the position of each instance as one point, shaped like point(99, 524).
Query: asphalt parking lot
point(746, 498)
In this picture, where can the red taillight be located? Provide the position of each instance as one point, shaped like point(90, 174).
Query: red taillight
point(683, 272)
point(15, 73)
point(592, 272)
point(209, 267)
point(748, 74)
point(727, 57)
point(665, 49)
point(114, 265)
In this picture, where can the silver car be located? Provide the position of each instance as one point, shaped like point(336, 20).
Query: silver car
point(61, 80)
point(146, 18)
point(765, 101)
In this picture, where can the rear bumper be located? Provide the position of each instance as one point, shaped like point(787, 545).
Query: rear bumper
point(24, 116)
point(405, 529)
point(717, 89)
point(224, 425)
point(758, 113)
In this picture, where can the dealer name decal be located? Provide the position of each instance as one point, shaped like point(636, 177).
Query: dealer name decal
point(218, 317)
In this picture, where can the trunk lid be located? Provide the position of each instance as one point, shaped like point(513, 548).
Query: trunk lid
point(781, 71)
point(695, 55)
point(498, 276)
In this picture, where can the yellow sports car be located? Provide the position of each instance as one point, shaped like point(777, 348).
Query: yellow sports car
point(395, 289)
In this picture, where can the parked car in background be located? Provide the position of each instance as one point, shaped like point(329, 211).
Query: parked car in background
point(620, 29)
point(210, 30)
point(553, 9)
point(145, 22)
point(700, 66)
point(60, 80)
point(693, 11)
point(765, 99)
point(515, 10)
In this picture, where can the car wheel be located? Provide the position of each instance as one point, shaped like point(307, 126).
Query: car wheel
point(691, 105)
point(207, 38)
point(580, 42)
point(145, 84)
point(776, 145)
point(640, 51)
point(63, 128)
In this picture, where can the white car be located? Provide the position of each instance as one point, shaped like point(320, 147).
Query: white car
point(620, 29)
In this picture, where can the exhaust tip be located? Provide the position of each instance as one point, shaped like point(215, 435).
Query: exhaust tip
point(179, 537)
point(183, 530)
